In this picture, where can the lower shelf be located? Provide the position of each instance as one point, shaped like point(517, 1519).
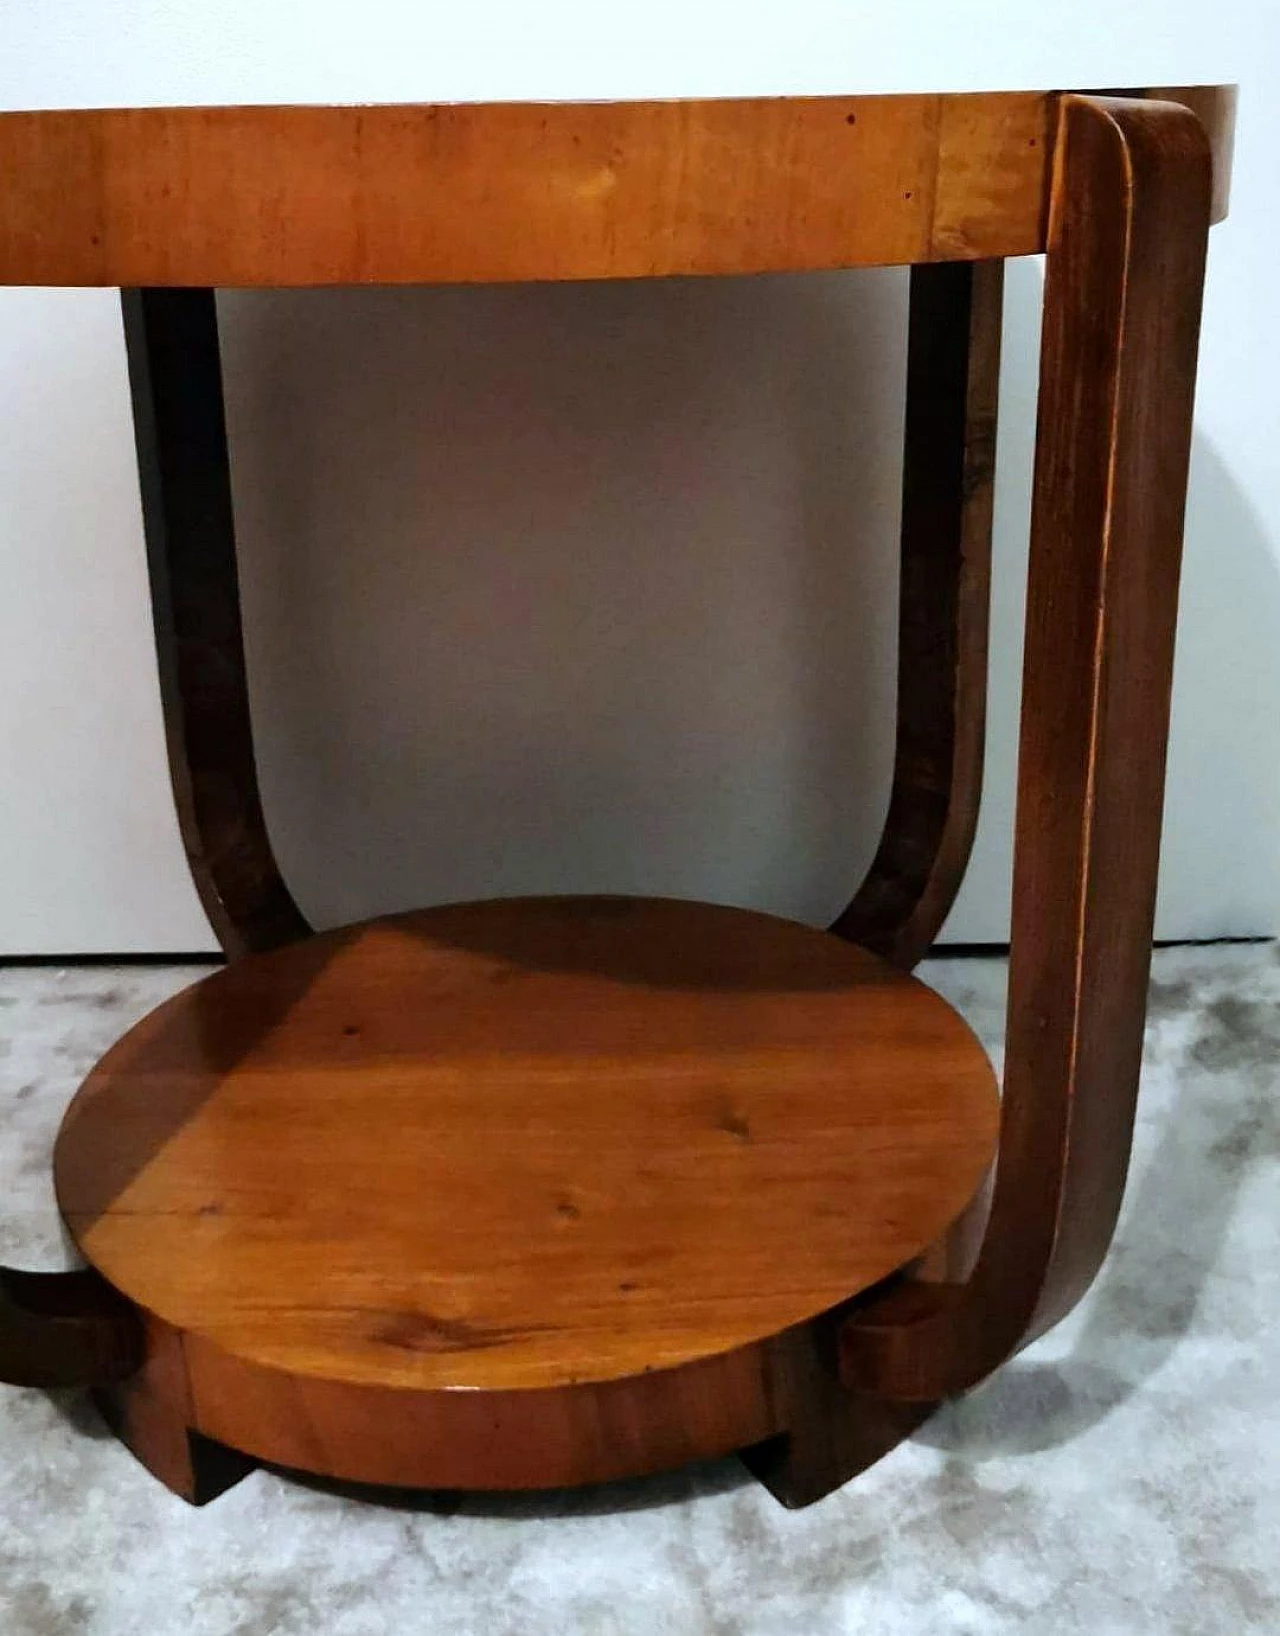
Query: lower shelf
point(519, 1193)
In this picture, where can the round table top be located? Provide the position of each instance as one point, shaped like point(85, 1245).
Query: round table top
point(474, 192)
point(526, 1144)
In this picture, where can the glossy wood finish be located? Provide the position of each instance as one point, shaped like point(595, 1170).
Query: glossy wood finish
point(176, 379)
point(1122, 311)
point(65, 1329)
point(832, 1432)
point(1215, 107)
point(953, 373)
point(466, 193)
point(531, 1186)
point(150, 1412)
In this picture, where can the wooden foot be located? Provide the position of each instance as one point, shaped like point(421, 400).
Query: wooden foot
point(833, 1433)
point(65, 1329)
point(151, 1415)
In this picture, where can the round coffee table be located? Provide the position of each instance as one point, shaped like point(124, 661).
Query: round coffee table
point(549, 1191)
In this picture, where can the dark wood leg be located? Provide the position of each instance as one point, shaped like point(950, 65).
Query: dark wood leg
point(953, 367)
point(834, 1433)
point(65, 1329)
point(176, 379)
point(1130, 217)
point(72, 1329)
point(151, 1415)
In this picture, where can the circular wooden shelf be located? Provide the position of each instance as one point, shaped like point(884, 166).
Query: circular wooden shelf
point(520, 1192)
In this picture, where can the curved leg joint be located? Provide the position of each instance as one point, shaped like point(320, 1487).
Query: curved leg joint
point(65, 1329)
point(176, 378)
point(1130, 217)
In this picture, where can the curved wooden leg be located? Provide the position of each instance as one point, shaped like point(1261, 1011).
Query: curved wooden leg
point(68, 1329)
point(953, 367)
point(833, 1433)
point(65, 1329)
point(151, 1415)
point(176, 379)
point(72, 1329)
point(1131, 212)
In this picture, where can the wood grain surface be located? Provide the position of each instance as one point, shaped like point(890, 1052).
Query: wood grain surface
point(175, 375)
point(603, 1148)
point(1121, 326)
point(464, 193)
point(151, 1413)
point(521, 1194)
point(948, 489)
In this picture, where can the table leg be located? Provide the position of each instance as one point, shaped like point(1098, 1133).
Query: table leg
point(65, 1329)
point(1131, 210)
point(152, 1415)
point(953, 368)
point(176, 379)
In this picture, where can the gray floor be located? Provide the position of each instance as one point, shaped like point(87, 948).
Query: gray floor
point(1121, 1476)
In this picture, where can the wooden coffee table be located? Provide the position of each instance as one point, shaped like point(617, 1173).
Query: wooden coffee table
point(548, 1191)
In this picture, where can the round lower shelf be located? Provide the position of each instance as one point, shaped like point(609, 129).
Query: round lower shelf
point(519, 1192)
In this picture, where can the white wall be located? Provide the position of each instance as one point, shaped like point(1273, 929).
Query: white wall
point(591, 587)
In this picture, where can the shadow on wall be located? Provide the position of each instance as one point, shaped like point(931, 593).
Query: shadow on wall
point(1220, 860)
point(593, 588)
point(571, 588)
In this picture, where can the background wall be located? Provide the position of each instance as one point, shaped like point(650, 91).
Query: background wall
point(587, 587)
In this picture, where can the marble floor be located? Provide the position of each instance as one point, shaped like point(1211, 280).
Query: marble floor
point(1121, 1476)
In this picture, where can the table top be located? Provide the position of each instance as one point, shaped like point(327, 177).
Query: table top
point(475, 193)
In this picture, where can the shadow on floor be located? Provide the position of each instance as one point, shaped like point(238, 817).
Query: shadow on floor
point(1148, 1295)
point(601, 1499)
